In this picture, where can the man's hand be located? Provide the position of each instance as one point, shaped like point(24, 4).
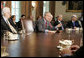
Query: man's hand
point(74, 48)
point(75, 27)
point(65, 51)
point(52, 31)
point(59, 25)
point(70, 50)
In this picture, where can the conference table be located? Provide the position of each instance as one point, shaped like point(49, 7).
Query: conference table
point(39, 44)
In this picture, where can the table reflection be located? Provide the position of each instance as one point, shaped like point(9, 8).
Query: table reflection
point(40, 44)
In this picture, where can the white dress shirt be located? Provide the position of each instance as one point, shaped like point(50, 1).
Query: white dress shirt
point(46, 30)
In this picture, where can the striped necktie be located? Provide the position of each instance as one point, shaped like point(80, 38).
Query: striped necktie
point(45, 24)
point(50, 25)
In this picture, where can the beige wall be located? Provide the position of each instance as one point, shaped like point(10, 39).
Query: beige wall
point(52, 8)
point(26, 8)
point(61, 9)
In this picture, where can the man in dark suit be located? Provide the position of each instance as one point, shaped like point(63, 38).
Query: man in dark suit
point(74, 23)
point(6, 24)
point(19, 23)
point(44, 24)
point(59, 24)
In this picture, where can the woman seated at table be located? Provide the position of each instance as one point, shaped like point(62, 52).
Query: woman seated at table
point(13, 17)
point(74, 23)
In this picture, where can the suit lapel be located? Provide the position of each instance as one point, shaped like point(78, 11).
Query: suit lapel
point(5, 24)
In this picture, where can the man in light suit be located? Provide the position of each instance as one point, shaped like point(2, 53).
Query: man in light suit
point(44, 24)
point(6, 24)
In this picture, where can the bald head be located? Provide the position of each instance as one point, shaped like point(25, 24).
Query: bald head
point(59, 17)
point(74, 17)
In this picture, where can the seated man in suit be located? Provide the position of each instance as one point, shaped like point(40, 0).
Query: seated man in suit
point(74, 23)
point(19, 23)
point(6, 24)
point(59, 24)
point(44, 24)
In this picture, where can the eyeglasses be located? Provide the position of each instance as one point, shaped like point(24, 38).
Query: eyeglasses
point(48, 16)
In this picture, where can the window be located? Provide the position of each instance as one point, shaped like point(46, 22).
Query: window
point(16, 9)
point(45, 6)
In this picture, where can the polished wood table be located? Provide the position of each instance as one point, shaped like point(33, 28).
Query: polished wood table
point(40, 44)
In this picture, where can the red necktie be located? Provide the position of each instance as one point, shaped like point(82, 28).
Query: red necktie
point(46, 24)
point(50, 25)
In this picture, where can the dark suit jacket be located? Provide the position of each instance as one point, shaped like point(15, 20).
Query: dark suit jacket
point(57, 22)
point(70, 24)
point(19, 24)
point(4, 26)
point(41, 25)
point(14, 25)
point(78, 53)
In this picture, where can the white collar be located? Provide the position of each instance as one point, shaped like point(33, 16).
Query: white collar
point(73, 21)
point(82, 18)
point(44, 19)
point(59, 21)
point(5, 18)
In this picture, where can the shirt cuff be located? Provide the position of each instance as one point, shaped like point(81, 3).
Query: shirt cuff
point(65, 55)
point(56, 27)
point(46, 31)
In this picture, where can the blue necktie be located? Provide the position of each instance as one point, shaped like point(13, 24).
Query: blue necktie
point(74, 24)
point(62, 28)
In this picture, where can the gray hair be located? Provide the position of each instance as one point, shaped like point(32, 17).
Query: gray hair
point(46, 13)
point(5, 10)
point(73, 16)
